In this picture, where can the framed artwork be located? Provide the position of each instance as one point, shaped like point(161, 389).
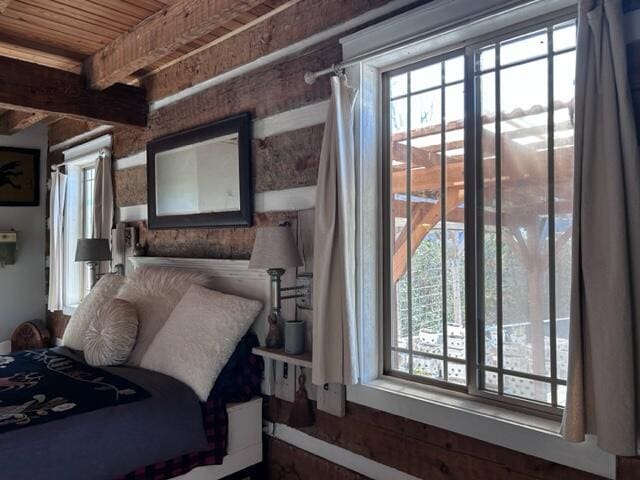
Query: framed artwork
point(19, 177)
point(201, 177)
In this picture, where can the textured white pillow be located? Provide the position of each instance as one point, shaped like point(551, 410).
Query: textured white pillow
point(200, 336)
point(155, 292)
point(111, 334)
point(104, 290)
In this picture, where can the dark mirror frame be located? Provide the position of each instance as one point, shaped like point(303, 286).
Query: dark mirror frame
point(240, 124)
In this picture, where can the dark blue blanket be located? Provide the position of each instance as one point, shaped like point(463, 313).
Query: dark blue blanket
point(38, 386)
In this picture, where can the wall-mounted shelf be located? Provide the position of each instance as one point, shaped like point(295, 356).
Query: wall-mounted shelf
point(280, 355)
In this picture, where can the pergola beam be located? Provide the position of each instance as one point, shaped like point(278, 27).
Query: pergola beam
point(34, 88)
point(178, 24)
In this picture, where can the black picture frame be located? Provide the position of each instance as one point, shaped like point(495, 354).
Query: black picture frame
point(12, 176)
point(240, 124)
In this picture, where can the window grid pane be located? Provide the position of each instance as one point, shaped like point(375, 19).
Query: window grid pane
point(427, 332)
point(525, 150)
point(520, 94)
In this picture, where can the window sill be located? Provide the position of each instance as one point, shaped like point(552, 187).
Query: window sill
point(69, 309)
point(468, 416)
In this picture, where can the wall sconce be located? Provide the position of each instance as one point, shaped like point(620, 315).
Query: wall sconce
point(275, 250)
point(8, 248)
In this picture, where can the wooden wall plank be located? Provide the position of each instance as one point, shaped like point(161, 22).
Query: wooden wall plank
point(68, 128)
point(422, 450)
point(627, 468)
point(287, 160)
point(12, 122)
point(235, 243)
point(281, 88)
point(130, 186)
point(31, 87)
point(178, 24)
point(294, 24)
point(289, 463)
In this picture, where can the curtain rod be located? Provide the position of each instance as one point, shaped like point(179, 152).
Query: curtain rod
point(57, 166)
point(311, 77)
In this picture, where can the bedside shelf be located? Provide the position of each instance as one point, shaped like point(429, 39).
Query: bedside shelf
point(280, 355)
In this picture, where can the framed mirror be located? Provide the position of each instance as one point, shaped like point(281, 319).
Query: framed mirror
point(201, 177)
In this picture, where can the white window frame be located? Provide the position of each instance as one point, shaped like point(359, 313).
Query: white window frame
point(430, 30)
point(76, 160)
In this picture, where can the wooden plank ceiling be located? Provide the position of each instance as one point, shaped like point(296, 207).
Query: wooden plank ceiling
point(111, 41)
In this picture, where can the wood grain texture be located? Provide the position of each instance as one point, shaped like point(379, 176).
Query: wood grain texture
point(422, 450)
point(14, 121)
point(130, 186)
point(31, 87)
point(273, 89)
point(178, 24)
point(287, 462)
point(3, 5)
point(627, 468)
point(294, 24)
point(287, 160)
point(56, 323)
point(235, 243)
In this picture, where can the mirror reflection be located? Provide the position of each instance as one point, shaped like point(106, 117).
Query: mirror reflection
point(200, 178)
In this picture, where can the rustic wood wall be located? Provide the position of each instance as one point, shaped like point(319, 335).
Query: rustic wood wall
point(290, 160)
point(421, 450)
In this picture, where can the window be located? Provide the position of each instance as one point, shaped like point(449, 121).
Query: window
point(78, 224)
point(477, 216)
point(78, 220)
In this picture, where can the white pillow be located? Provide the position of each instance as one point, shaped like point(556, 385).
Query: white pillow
point(155, 292)
point(111, 334)
point(104, 290)
point(200, 336)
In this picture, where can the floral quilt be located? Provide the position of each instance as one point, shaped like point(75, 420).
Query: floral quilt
point(39, 386)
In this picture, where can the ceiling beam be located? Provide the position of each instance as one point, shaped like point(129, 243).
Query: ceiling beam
point(178, 24)
point(13, 121)
point(35, 88)
point(3, 5)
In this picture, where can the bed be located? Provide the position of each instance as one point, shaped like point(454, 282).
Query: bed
point(62, 418)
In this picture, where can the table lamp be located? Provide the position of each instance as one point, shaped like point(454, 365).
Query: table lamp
point(275, 250)
point(92, 251)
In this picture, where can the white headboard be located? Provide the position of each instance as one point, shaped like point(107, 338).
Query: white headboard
point(228, 276)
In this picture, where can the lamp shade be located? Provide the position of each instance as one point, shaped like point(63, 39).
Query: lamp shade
point(275, 247)
point(93, 250)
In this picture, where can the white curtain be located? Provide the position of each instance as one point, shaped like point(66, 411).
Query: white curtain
point(335, 357)
point(604, 345)
point(56, 241)
point(103, 201)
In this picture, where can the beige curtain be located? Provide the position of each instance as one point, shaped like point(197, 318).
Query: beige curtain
point(604, 348)
point(103, 201)
point(334, 321)
point(55, 300)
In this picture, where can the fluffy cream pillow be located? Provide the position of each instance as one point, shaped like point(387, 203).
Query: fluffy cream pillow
point(111, 334)
point(104, 290)
point(155, 292)
point(199, 337)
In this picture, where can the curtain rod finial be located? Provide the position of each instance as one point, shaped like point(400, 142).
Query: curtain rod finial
point(310, 78)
